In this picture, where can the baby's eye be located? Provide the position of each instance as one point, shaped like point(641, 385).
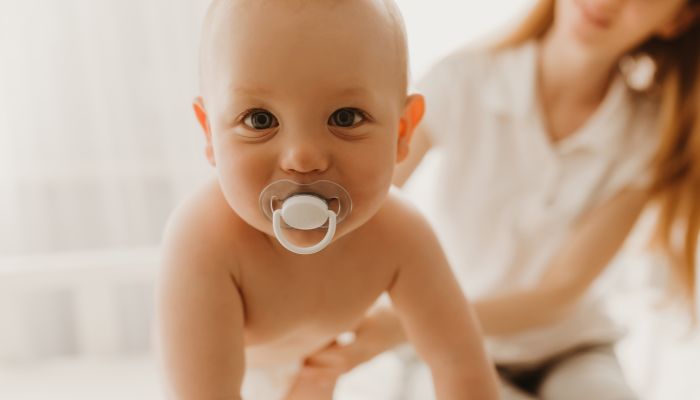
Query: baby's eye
point(346, 117)
point(260, 120)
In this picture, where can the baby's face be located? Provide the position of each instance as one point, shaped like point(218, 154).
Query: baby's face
point(304, 92)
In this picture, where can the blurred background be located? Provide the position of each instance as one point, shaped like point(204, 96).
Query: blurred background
point(98, 144)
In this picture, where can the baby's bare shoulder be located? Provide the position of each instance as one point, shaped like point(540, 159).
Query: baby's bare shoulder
point(403, 222)
point(412, 244)
point(201, 231)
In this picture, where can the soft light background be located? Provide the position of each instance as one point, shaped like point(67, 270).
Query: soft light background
point(98, 144)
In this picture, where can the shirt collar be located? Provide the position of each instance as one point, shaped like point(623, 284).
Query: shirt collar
point(606, 128)
point(509, 90)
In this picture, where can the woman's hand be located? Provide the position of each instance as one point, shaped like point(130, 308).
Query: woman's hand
point(320, 372)
point(378, 332)
point(314, 383)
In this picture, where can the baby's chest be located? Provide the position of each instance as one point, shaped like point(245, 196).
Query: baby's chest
point(284, 302)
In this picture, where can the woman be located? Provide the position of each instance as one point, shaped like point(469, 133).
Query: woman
point(553, 144)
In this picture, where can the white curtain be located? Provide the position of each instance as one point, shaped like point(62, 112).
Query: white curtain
point(97, 137)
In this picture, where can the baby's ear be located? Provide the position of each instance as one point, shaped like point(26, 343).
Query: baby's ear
point(201, 112)
point(412, 114)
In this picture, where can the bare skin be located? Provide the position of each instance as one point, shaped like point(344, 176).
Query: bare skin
point(229, 295)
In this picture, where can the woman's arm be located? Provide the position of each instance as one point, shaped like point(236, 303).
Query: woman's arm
point(438, 320)
point(572, 270)
point(582, 258)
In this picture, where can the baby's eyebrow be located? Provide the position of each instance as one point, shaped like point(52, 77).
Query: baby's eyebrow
point(347, 92)
point(357, 93)
point(352, 91)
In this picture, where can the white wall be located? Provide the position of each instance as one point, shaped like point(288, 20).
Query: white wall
point(435, 27)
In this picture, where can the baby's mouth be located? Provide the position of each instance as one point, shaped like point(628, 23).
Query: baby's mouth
point(335, 196)
point(305, 207)
point(333, 204)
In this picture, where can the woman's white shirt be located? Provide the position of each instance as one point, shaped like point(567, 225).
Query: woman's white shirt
point(506, 197)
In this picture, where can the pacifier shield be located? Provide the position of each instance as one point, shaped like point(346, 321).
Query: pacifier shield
point(278, 193)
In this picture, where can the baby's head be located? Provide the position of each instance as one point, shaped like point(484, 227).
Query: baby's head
point(305, 90)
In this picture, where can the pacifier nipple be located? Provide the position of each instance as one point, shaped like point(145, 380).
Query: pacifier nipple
point(304, 207)
point(304, 212)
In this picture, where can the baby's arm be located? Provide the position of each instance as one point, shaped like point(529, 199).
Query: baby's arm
point(199, 319)
point(439, 321)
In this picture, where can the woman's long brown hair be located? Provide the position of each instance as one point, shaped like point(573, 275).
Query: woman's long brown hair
point(675, 187)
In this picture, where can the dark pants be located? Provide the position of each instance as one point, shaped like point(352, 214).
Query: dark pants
point(585, 373)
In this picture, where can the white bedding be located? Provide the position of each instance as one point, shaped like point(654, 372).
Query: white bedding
point(136, 378)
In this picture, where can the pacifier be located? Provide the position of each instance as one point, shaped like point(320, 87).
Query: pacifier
point(292, 205)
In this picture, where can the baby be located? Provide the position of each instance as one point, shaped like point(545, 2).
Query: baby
point(305, 111)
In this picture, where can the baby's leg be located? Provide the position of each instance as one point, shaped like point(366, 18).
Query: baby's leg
point(590, 374)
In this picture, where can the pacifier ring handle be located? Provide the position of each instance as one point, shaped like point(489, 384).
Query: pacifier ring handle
point(277, 228)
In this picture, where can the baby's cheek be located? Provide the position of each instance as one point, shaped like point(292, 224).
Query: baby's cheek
point(242, 177)
point(379, 166)
point(372, 180)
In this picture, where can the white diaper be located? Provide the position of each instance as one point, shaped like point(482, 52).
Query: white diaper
point(269, 383)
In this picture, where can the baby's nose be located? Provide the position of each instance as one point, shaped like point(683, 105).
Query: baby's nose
point(304, 155)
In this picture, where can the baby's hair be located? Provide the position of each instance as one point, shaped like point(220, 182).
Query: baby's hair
point(393, 16)
point(398, 28)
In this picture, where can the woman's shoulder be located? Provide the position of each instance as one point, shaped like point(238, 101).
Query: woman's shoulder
point(459, 65)
point(474, 60)
point(469, 74)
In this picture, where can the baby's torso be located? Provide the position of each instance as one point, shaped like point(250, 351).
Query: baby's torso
point(297, 305)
